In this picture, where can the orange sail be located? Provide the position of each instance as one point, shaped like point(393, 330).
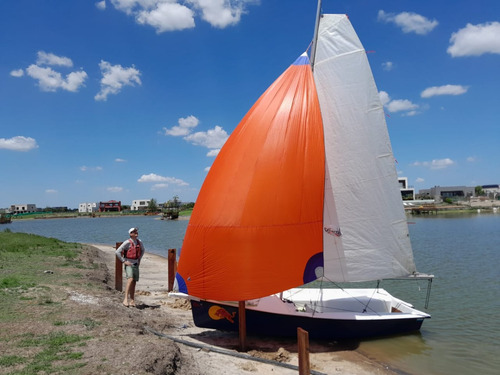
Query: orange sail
point(257, 223)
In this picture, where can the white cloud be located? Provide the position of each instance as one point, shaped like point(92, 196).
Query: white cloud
point(184, 127)
point(84, 168)
point(471, 159)
point(17, 73)
point(444, 90)
point(384, 97)
point(18, 143)
point(213, 153)
point(167, 17)
point(475, 40)
point(152, 177)
point(114, 77)
point(118, 160)
point(213, 138)
point(51, 191)
point(398, 105)
point(220, 13)
point(435, 164)
point(45, 58)
point(49, 79)
point(114, 189)
point(101, 5)
point(409, 22)
point(388, 65)
point(419, 180)
point(171, 15)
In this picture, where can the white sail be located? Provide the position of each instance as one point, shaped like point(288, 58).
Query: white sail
point(366, 233)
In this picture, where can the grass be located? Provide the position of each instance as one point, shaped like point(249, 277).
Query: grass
point(32, 268)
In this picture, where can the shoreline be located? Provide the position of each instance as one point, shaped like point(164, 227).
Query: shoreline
point(324, 358)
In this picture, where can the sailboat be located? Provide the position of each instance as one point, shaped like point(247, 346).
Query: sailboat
point(304, 193)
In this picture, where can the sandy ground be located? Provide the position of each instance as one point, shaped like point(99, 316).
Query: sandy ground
point(216, 352)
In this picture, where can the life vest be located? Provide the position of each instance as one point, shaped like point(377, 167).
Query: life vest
point(134, 251)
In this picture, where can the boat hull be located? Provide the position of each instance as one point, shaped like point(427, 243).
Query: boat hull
point(262, 320)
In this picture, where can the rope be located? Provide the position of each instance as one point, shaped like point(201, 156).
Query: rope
point(227, 352)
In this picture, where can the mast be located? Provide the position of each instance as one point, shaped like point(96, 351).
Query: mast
point(315, 36)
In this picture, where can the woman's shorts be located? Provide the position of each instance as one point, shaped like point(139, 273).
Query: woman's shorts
point(132, 272)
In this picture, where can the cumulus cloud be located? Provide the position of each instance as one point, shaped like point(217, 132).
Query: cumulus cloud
point(51, 191)
point(114, 78)
point(184, 127)
point(475, 40)
point(17, 73)
point(409, 22)
point(101, 5)
point(219, 13)
point(167, 17)
point(49, 79)
point(45, 58)
point(212, 138)
point(152, 177)
point(114, 189)
point(435, 164)
point(18, 143)
point(444, 90)
point(119, 160)
point(398, 105)
point(170, 15)
point(213, 153)
point(419, 180)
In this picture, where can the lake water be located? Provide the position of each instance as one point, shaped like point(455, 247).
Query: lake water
point(463, 252)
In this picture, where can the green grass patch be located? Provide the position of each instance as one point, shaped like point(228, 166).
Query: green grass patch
point(54, 347)
point(87, 323)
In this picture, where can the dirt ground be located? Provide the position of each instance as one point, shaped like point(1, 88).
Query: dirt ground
point(158, 335)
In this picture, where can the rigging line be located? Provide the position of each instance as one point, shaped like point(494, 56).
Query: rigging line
point(365, 305)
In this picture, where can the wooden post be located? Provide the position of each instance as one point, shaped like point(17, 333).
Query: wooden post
point(242, 319)
point(118, 271)
point(303, 349)
point(172, 268)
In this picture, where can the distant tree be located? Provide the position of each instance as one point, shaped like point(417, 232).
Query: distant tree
point(174, 203)
point(152, 206)
point(479, 190)
point(171, 208)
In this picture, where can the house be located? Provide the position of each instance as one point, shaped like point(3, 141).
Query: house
point(407, 193)
point(110, 206)
point(22, 208)
point(140, 204)
point(87, 207)
point(439, 193)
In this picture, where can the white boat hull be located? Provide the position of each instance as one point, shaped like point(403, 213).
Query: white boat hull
point(342, 314)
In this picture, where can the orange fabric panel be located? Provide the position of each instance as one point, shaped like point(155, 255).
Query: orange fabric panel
point(258, 217)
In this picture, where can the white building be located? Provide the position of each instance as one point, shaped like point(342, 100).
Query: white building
point(140, 204)
point(22, 208)
point(407, 193)
point(88, 207)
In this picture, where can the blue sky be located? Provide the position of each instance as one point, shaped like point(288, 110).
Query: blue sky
point(132, 99)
